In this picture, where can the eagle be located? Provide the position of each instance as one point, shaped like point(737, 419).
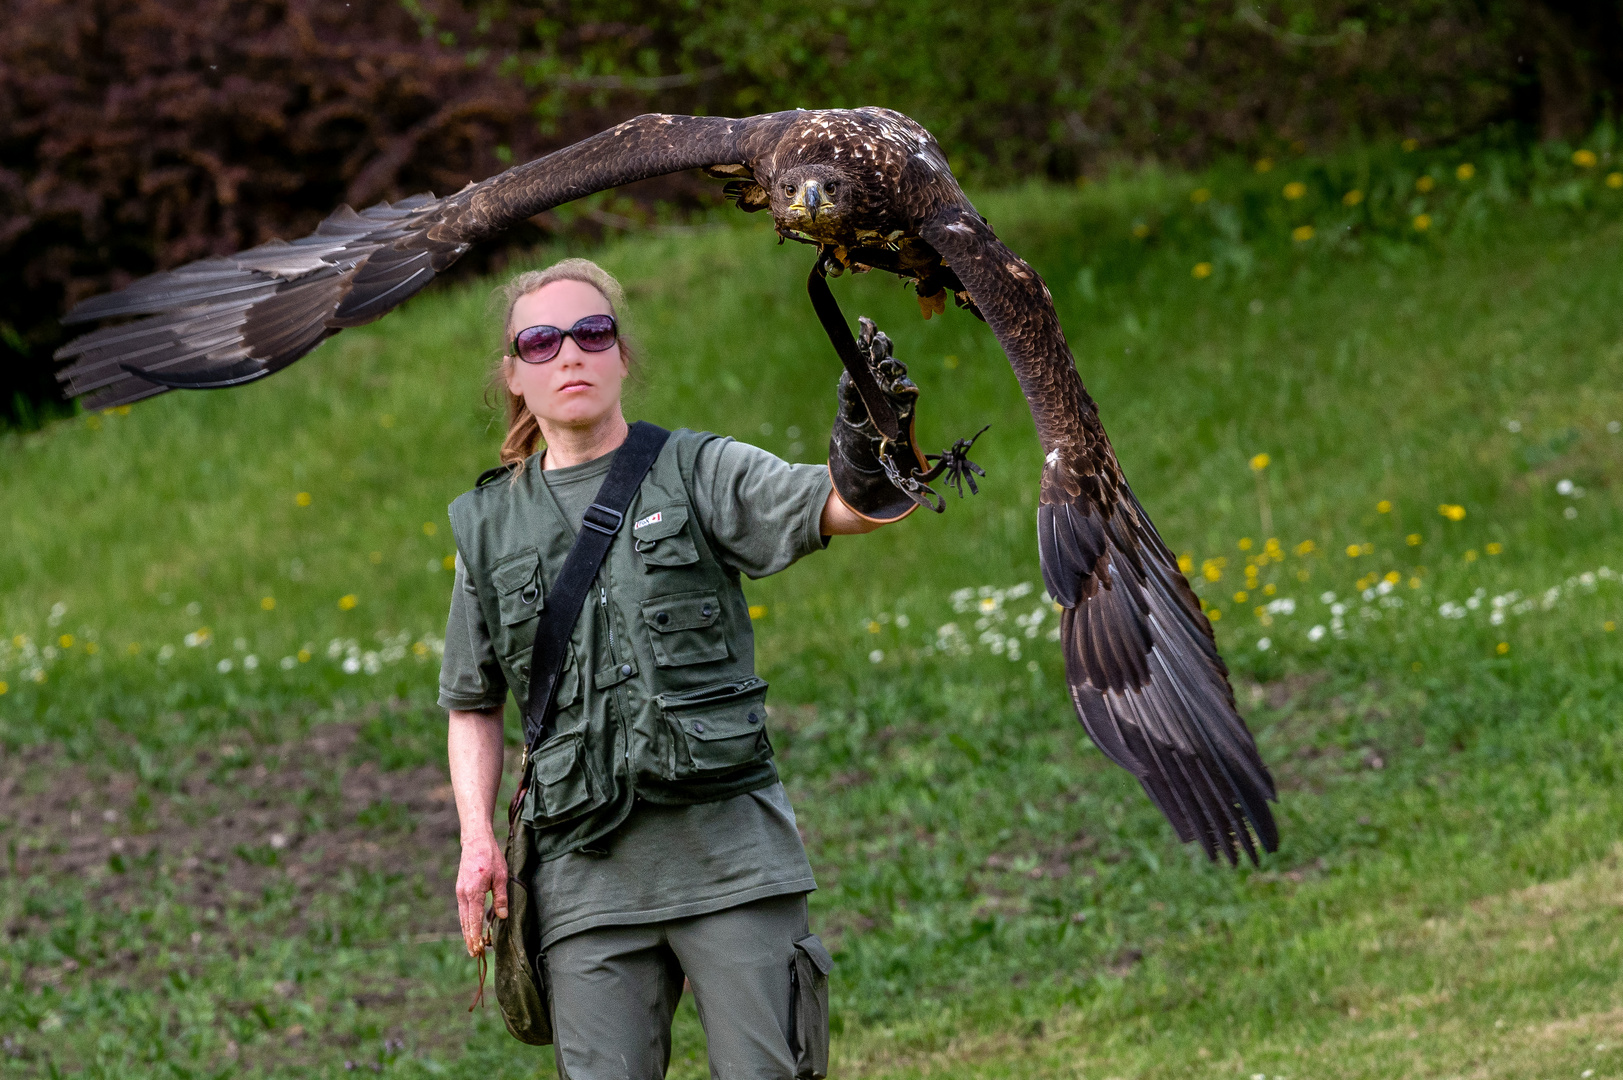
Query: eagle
point(872, 190)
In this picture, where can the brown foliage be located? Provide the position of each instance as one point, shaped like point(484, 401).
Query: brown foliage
point(141, 134)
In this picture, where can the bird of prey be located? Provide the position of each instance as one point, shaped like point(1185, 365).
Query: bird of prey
point(872, 190)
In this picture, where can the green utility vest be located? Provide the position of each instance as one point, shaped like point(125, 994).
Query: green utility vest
point(658, 698)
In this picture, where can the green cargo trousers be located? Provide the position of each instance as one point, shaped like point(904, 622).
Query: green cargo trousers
point(760, 979)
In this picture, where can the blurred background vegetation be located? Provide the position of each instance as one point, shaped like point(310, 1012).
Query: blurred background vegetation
point(141, 134)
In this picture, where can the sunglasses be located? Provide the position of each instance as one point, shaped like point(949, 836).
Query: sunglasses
point(538, 344)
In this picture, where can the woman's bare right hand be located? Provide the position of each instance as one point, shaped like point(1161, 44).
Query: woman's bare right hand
point(483, 871)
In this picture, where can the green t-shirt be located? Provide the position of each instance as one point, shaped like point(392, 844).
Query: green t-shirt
point(670, 862)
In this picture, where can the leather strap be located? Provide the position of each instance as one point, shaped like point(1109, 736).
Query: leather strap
point(567, 595)
point(839, 333)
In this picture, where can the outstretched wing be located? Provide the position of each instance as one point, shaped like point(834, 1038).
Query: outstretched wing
point(1140, 657)
point(227, 321)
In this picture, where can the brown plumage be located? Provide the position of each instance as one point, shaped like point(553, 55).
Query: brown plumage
point(871, 189)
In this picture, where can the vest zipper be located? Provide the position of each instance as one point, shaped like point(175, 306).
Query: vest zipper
point(608, 619)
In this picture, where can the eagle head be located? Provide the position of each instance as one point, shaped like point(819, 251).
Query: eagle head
point(811, 199)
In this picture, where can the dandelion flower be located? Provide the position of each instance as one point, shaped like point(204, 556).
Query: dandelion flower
point(1424, 184)
point(1186, 563)
point(1306, 547)
point(133, 648)
point(1494, 548)
point(304, 656)
point(1264, 165)
point(1245, 543)
point(1585, 159)
point(873, 627)
point(1302, 233)
point(347, 602)
point(1614, 180)
point(1383, 507)
point(1241, 597)
point(1215, 614)
point(1414, 583)
point(1392, 577)
point(302, 498)
point(757, 611)
point(1352, 198)
point(1451, 511)
point(66, 641)
point(1141, 230)
point(1202, 270)
point(1502, 648)
point(1295, 190)
point(92, 648)
point(430, 528)
point(1260, 462)
point(1465, 171)
point(1410, 145)
point(1608, 626)
point(1471, 556)
point(1422, 222)
point(1413, 539)
point(4, 686)
point(1353, 551)
point(267, 603)
point(1199, 195)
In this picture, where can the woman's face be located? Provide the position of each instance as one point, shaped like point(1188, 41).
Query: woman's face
point(575, 388)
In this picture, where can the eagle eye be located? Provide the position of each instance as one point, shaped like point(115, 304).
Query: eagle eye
point(788, 189)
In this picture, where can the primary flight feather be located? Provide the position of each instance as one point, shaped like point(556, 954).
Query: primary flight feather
point(871, 189)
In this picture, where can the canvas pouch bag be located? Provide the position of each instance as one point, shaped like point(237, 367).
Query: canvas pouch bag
point(521, 987)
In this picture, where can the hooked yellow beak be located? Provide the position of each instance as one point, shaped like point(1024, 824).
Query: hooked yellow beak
point(809, 199)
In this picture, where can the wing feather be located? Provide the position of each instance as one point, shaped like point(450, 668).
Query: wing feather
point(222, 321)
point(1140, 657)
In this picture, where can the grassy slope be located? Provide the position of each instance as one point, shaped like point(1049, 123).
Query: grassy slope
point(999, 897)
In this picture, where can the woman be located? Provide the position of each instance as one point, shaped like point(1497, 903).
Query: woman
point(665, 845)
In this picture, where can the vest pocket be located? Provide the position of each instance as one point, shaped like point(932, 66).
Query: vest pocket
point(518, 587)
point(686, 628)
point(662, 540)
point(561, 784)
point(569, 679)
point(717, 729)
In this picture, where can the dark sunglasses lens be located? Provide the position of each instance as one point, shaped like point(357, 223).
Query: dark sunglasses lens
point(594, 333)
point(538, 344)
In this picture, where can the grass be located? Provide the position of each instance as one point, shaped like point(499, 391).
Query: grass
point(218, 868)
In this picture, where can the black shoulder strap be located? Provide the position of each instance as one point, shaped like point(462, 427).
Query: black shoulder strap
point(568, 593)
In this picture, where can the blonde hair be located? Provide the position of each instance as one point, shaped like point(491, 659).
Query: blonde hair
point(523, 431)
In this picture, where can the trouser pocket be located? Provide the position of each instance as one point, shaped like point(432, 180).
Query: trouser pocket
point(809, 966)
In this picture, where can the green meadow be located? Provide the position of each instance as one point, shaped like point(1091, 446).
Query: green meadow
point(1374, 402)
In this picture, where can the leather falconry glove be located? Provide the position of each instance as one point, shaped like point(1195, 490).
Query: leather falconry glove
point(882, 479)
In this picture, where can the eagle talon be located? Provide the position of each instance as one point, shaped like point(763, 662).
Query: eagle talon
point(954, 463)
